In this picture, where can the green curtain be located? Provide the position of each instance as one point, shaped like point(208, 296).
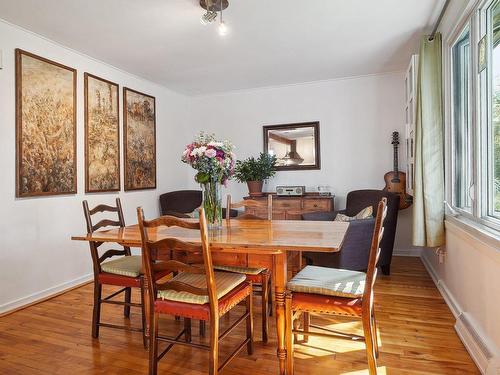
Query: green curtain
point(428, 208)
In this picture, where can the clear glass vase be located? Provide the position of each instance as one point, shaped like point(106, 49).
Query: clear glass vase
point(212, 203)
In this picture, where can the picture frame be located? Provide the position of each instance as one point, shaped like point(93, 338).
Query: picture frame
point(139, 140)
point(296, 145)
point(102, 135)
point(46, 158)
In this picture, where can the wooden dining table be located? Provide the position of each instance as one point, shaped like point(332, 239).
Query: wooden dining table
point(248, 243)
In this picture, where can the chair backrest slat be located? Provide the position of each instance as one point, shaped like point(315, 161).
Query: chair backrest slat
point(105, 223)
point(103, 208)
point(250, 203)
point(91, 227)
point(174, 244)
point(111, 253)
point(371, 273)
point(169, 247)
point(172, 221)
point(173, 265)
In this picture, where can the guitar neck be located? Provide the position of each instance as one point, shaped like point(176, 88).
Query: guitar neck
point(396, 163)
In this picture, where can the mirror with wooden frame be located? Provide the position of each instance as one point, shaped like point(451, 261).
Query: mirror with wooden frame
point(296, 146)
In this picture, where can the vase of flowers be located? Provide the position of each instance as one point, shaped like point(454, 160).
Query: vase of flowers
point(214, 160)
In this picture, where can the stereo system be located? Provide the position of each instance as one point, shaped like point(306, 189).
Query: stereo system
point(294, 191)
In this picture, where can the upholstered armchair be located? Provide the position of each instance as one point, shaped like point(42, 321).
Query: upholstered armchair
point(180, 203)
point(356, 247)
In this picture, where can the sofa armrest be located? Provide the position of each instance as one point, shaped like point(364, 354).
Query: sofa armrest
point(321, 216)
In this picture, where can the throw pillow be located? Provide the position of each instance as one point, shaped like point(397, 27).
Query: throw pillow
point(365, 213)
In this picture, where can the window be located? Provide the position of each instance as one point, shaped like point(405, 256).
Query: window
point(493, 127)
point(462, 135)
point(473, 103)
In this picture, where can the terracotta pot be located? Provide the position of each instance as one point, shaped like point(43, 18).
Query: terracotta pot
point(255, 188)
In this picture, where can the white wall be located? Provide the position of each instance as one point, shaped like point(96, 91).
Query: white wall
point(37, 256)
point(469, 276)
point(356, 115)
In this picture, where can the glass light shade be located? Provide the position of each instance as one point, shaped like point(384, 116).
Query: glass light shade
point(222, 28)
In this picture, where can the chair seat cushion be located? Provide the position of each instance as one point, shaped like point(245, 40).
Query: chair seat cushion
point(202, 312)
point(243, 270)
point(328, 282)
point(130, 266)
point(224, 281)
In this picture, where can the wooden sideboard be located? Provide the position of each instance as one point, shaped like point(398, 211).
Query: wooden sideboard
point(291, 208)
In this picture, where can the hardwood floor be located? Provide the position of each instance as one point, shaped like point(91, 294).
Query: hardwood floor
point(415, 330)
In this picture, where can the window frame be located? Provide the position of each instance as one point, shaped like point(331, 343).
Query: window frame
point(476, 16)
point(454, 151)
point(485, 106)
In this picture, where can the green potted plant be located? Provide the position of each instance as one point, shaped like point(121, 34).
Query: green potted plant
point(254, 171)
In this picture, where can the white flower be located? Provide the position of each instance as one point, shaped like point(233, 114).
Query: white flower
point(210, 153)
point(215, 144)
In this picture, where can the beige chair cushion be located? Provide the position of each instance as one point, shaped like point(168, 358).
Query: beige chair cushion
point(224, 281)
point(329, 282)
point(126, 266)
point(365, 213)
point(244, 270)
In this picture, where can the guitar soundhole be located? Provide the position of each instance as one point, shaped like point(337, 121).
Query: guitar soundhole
point(396, 180)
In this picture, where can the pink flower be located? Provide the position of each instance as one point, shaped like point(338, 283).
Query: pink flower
point(210, 153)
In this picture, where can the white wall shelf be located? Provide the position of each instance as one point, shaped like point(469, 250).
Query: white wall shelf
point(410, 117)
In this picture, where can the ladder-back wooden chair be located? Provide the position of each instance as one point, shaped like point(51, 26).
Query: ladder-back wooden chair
point(124, 272)
point(196, 292)
point(260, 277)
point(338, 292)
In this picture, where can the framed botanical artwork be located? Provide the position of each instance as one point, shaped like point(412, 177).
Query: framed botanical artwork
point(139, 138)
point(45, 127)
point(102, 135)
point(296, 146)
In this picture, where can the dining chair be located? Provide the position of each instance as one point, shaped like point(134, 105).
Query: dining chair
point(260, 277)
point(196, 292)
point(124, 271)
point(323, 290)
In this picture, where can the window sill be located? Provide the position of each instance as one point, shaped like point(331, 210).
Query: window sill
point(481, 232)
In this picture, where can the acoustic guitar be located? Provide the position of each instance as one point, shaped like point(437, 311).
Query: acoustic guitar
point(395, 181)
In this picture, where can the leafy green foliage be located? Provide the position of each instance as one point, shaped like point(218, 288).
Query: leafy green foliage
point(252, 169)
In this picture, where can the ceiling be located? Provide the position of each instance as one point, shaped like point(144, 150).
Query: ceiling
point(270, 42)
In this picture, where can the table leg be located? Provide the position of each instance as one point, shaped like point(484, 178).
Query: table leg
point(280, 279)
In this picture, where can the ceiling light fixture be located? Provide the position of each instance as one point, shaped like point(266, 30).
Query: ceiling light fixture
point(212, 7)
point(222, 25)
point(208, 17)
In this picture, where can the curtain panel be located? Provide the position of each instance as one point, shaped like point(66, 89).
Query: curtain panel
point(428, 207)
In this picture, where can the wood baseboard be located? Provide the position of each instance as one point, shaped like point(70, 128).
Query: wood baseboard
point(410, 252)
